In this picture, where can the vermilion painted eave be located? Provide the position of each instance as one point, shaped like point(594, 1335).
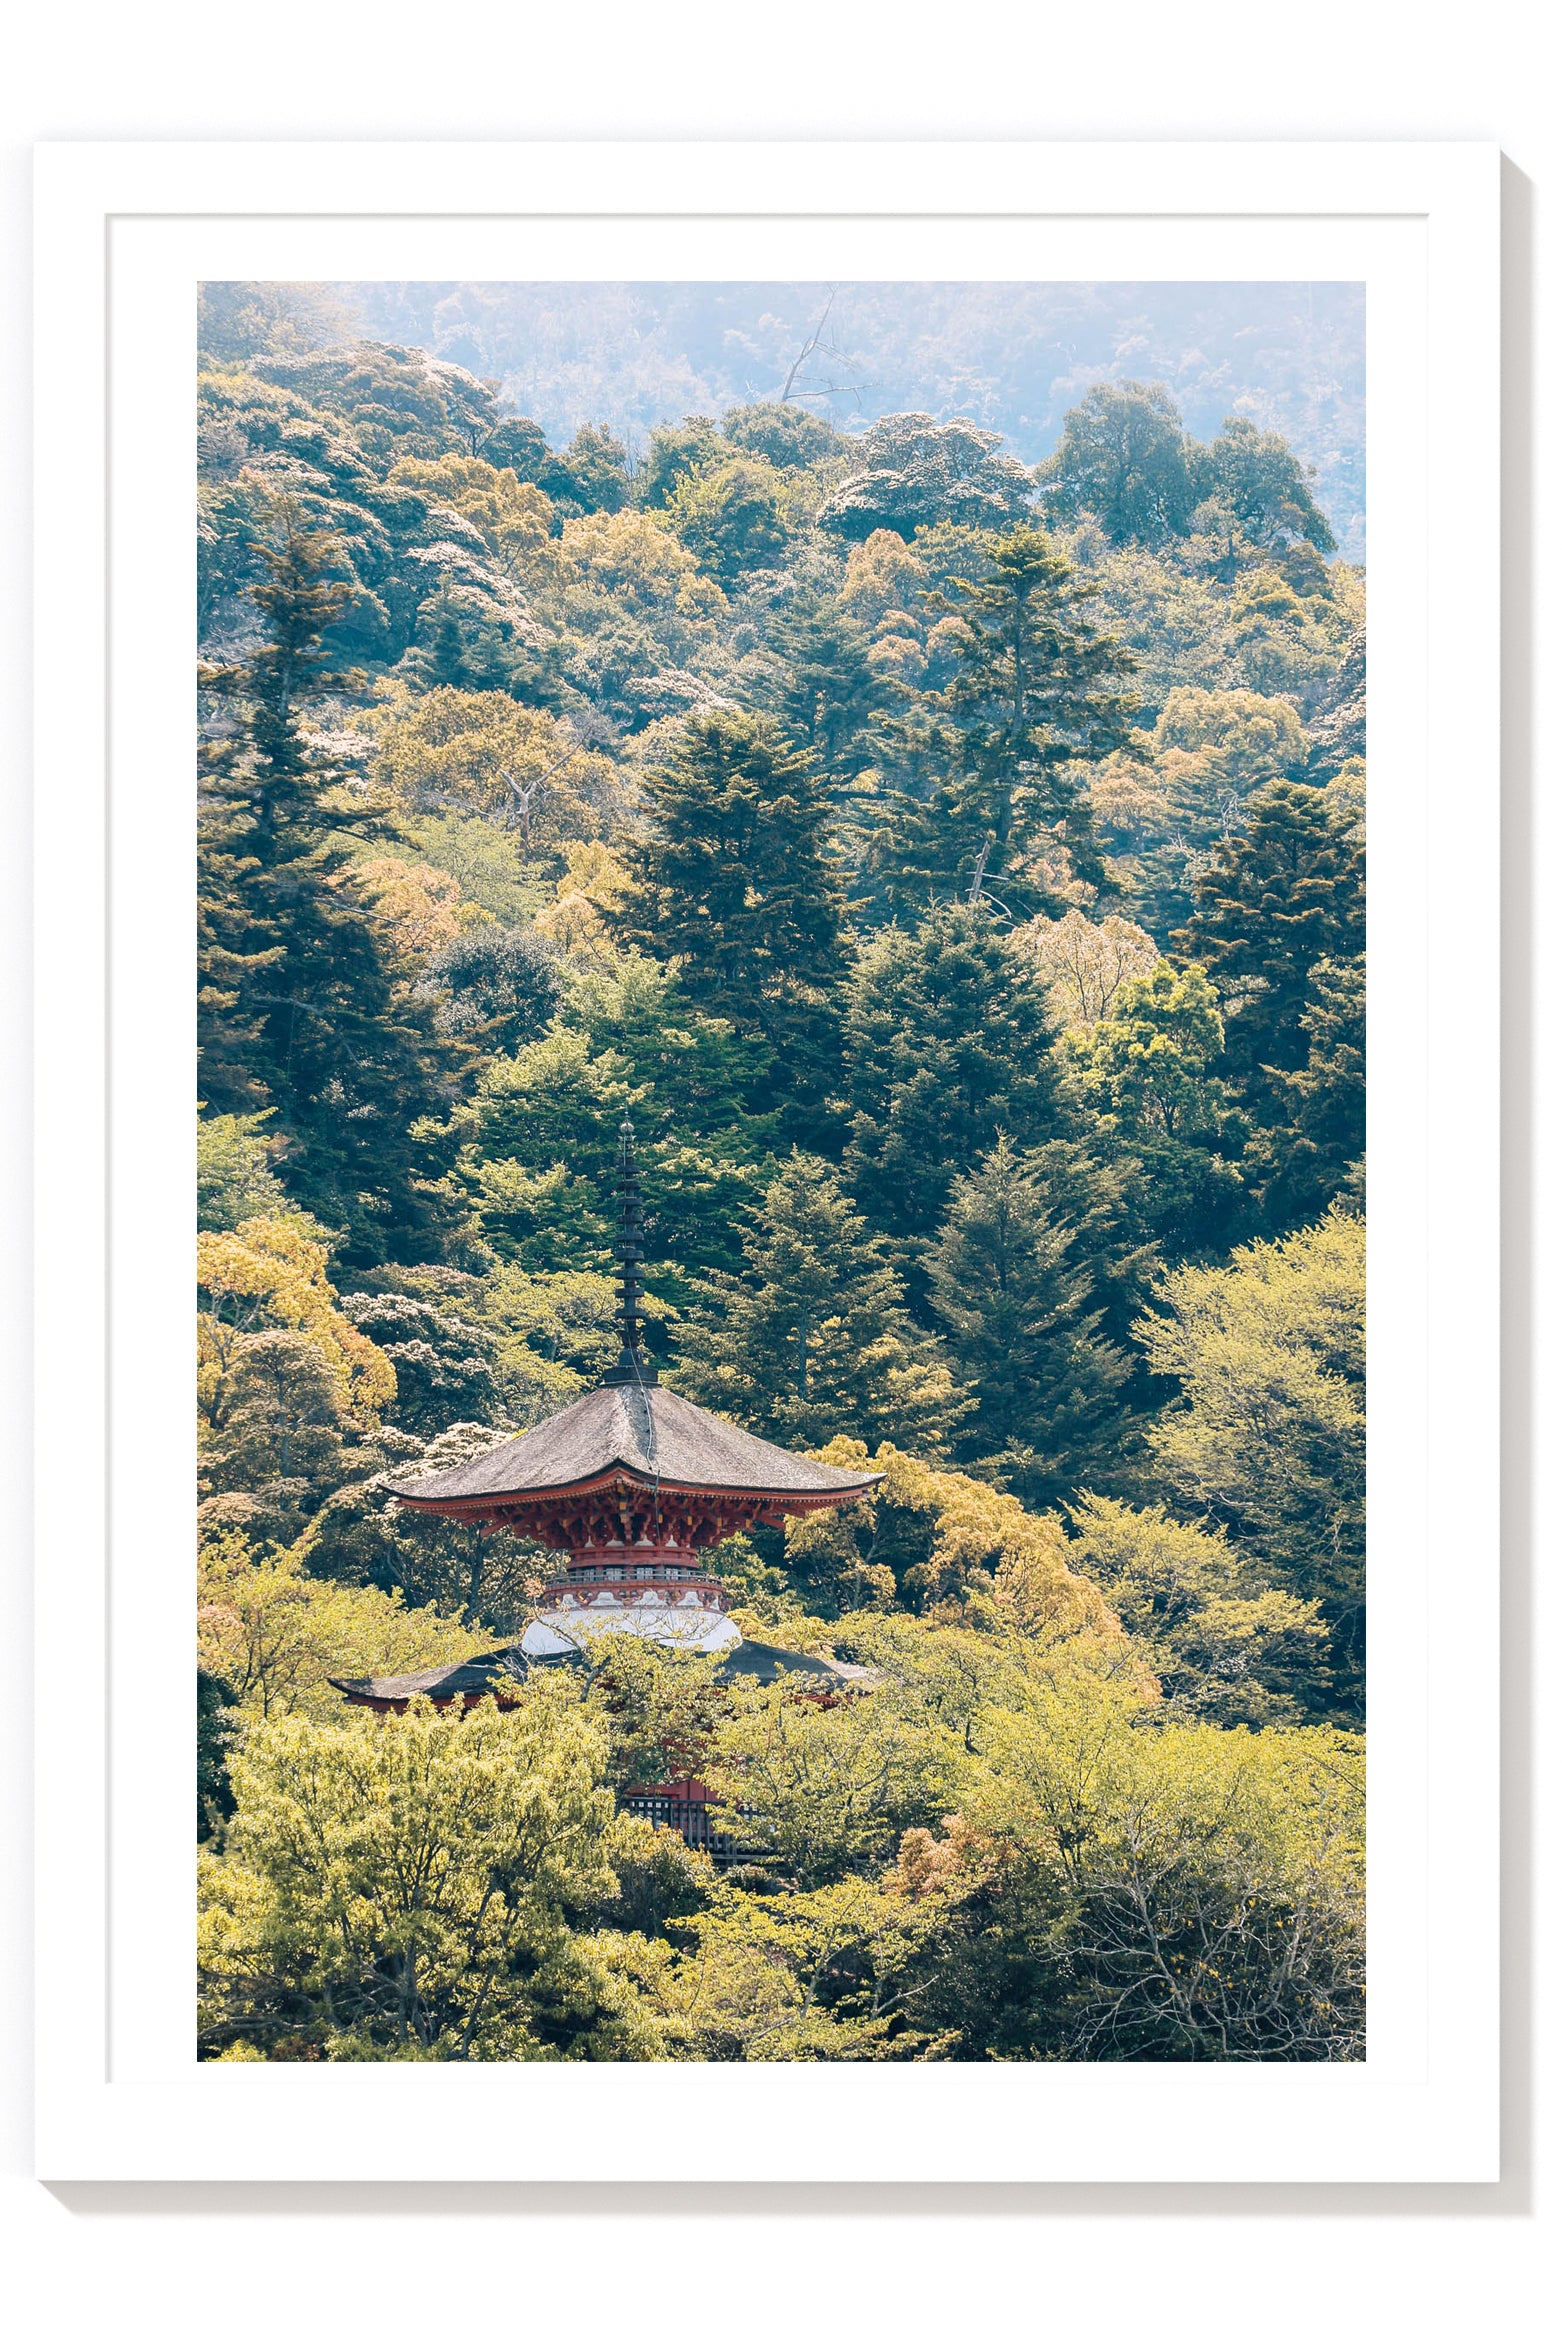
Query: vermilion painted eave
point(808, 1499)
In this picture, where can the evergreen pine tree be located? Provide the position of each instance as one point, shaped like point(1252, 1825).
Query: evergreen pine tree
point(302, 1007)
point(1288, 892)
point(1301, 1163)
point(735, 887)
point(829, 690)
point(947, 1045)
point(1038, 695)
point(814, 1339)
point(1014, 1287)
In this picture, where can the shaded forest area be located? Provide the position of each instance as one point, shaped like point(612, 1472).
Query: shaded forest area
point(955, 872)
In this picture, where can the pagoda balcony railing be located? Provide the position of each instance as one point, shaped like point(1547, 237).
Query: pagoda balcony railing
point(695, 1820)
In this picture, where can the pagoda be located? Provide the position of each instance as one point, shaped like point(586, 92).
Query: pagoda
point(630, 1486)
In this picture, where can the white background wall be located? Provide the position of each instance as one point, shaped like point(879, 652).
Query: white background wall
point(1176, 2262)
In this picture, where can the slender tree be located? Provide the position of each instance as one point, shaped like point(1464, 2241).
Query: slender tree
point(828, 689)
point(813, 1339)
point(1286, 893)
point(303, 1008)
point(736, 888)
point(1025, 1328)
point(1299, 1164)
point(947, 1045)
point(1039, 694)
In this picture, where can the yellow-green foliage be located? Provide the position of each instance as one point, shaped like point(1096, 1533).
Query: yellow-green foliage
point(403, 1888)
point(1206, 1885)
point(512, 515)
point(479, 753)
point(835, 1785)
point(271, 1271)
point(1224, 1645)
point(637, 560)
point(761, 1978)
point(994, 1845)
point(1271, 1433)
point(275, 1636)
point(988, 1557)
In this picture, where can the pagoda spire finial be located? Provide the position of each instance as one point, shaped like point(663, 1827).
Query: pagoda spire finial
point(632, 1366)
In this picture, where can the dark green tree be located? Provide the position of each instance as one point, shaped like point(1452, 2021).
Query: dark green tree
point(459, 643)
point(493, 985)
point(947, 1040)
point(676, 451)
point(303, 1008)
point(1037, 697)
point(828, 690)
point(1299, 1164)
point(535, 1148)
point(1018, 1303)
point(1255, 475)
point(592, 474)
point(785, 434)
point(1104, 1198)
point(216, 1731)
point(736, 889)
point(519, 445)
point(813, 1338)
point(730, 516)
point(1289, 891)
point(1122, 461)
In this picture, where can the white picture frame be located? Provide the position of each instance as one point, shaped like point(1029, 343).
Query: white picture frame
point(124, 234)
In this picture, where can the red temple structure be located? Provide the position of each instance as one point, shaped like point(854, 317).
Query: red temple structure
point(633, 1485)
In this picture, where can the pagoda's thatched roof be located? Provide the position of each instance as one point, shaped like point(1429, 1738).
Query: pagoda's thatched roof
point(647, 1432)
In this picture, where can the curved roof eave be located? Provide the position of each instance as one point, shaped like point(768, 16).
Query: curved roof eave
point(650, 1436)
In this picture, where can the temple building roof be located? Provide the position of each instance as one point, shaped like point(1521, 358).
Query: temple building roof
point(503, 1670)
point(462, 1679)
point(642, 1430)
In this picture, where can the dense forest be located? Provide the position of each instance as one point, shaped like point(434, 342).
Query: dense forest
point(954, 870)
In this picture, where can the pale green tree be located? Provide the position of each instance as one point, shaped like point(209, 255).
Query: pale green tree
point(403, 1887)
point(1269, 1436)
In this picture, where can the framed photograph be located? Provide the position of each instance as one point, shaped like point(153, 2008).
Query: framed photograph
point(771, 955)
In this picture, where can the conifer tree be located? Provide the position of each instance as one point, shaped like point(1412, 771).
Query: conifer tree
point(535, 1147)
point(947, 1045)
point(1039, 694)
point(302, 1007)
point(735, 887)
point(1301, 1163)
point(1288, 892)
point(829, 690)
point(1017, 1298)
point(813, 1339)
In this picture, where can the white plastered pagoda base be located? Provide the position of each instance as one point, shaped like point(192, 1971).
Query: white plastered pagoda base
point(683, 1622)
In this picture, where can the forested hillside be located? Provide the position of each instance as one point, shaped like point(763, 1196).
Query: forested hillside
point(954, 870)
point(1012, 357)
